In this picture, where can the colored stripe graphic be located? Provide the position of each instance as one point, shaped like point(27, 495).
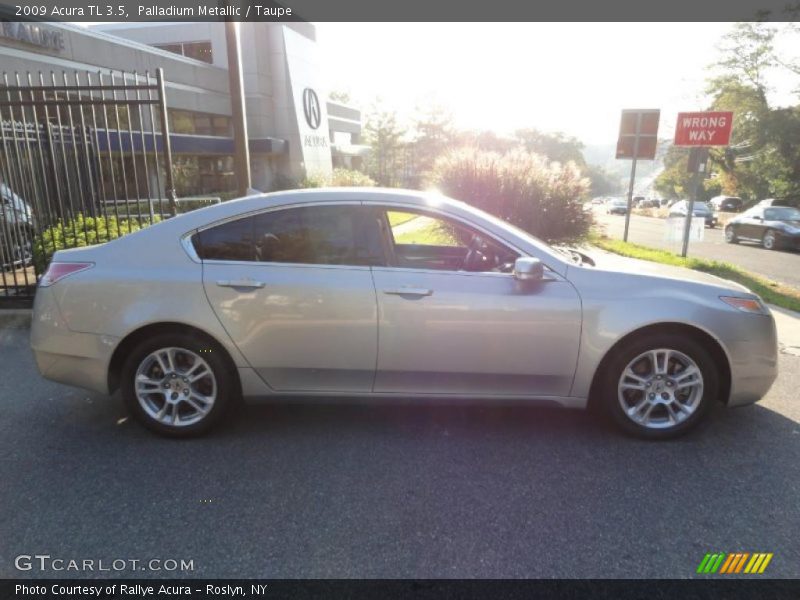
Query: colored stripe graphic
point(735, 562)
point(728, 563)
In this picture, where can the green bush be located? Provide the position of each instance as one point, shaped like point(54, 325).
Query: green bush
point(541, 197)
point(79, 232)
point(338, 178)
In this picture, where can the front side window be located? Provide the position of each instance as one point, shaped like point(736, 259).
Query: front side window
point(429, 242)
point(320, 235)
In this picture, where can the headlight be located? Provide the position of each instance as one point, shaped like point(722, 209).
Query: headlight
point(748, 305)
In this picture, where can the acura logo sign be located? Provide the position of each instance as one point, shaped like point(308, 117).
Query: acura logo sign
point(311, 108)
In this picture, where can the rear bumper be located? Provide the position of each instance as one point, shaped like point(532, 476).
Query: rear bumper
point(79, 359)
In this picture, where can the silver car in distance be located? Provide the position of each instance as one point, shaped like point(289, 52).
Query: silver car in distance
point(390, 294)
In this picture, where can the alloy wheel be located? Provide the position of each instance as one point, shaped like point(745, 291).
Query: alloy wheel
point(175, 387)
point(660, 388)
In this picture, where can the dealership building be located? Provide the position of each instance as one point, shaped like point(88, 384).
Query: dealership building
point(294, 130)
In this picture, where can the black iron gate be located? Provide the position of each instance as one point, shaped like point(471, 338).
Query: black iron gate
point(84, 158)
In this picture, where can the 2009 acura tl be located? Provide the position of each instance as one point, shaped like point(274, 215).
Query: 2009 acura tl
point(390, 294)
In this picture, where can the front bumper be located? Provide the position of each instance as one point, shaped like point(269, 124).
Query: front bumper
point(753, 356)
point(789, 240)
point(79, 359)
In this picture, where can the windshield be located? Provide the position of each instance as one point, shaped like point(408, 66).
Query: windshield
point(701, 207)
point(783, 213)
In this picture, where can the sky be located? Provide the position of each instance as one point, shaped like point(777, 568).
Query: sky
point(569, 77)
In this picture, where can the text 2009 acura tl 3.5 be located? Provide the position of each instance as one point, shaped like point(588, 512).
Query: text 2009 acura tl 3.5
point(390, 294)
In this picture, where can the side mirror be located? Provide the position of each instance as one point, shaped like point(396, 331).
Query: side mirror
point(757, 218)
point(528, 268)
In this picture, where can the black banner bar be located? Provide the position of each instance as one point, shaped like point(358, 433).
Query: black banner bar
point(405, 11)
point(250, 589)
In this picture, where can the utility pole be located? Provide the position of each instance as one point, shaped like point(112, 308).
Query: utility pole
point(633, 175)
point(241, 157)
point(698, 158)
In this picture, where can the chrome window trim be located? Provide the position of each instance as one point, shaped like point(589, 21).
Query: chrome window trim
point(258, 263)
point(253, 213)
point(190, 250)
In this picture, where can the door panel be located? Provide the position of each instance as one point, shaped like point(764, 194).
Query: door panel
point(475, 333)
point(308, 328)
point(293, 289)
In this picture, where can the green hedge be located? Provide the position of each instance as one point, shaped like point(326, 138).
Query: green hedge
point(82, 231)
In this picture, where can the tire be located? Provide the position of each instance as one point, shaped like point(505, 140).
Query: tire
point(665, 411)
point(730, 235)
point(770, 240)
point(178, 412)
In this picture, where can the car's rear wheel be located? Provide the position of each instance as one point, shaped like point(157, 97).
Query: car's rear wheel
point(176, 385)
point(660, 386)
point(730, 235)
point(770, 240)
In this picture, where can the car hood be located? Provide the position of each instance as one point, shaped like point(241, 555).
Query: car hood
point(614, 263)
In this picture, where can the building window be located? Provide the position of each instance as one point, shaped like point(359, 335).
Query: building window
point(197, 50)
point(197, 123)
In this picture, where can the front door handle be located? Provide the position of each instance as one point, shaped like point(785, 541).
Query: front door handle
point(240, 283)
point(409, 291)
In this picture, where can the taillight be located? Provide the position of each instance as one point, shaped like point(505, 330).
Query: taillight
point(59, 270)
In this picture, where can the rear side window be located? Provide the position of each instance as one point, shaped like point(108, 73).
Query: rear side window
point(322, 235)
point(230, 241)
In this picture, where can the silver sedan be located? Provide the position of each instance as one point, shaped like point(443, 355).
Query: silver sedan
point(390, 294)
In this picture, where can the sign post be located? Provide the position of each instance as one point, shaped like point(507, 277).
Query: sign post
point(638, 130)
point(698, 131)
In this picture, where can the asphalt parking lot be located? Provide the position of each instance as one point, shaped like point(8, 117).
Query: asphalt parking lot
point(392, 491)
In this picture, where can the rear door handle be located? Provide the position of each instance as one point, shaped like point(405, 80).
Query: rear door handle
point(409, 291)
point(240, 283)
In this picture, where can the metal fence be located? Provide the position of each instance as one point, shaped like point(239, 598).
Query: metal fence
point(84, 158)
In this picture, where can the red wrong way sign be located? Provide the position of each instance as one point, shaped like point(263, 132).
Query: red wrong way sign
point(704, 128)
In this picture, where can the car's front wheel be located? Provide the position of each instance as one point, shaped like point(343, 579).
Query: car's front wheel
point(176, 385)
point(730, 235)
point(770, 240)
point(660, 386)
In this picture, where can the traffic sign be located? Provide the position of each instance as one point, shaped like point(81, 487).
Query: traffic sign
point(638, 131)
point(704, 128)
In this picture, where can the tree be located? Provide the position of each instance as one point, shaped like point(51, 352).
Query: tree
point(434, 136)
point(555, 146)
point(382, 132)
point(762, 158)
point(601, 183)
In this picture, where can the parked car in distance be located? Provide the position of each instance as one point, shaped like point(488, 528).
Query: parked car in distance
point(16, 229)
point(383, 294)
point(773, 227)
point(726, 203)
point(598, 201)
point(699, 209)
point(617, 206)
point(650, 203)
point(787, 201)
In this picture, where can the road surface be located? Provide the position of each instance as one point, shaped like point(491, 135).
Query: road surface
point(781, 266)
